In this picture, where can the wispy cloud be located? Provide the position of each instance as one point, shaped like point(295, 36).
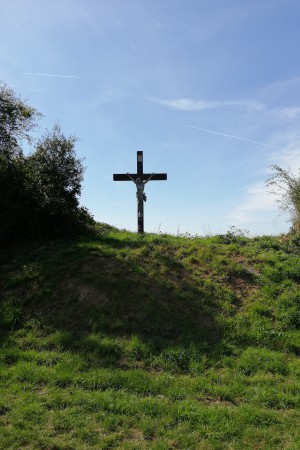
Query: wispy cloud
point(225, 134)
point(286, 112)
point(279, 87)
point(257, 204)
point(186, 104)
point(289, 154)
point(49, 75)
point(190, 105)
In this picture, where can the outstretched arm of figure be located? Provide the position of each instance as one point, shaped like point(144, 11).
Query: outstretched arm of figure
point(132, 179)
point(149, 178)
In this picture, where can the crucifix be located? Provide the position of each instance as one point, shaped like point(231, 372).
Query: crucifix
point(140, 179)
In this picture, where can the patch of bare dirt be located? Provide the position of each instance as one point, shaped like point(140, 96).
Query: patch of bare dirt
point(241, 287)
point(85, 293)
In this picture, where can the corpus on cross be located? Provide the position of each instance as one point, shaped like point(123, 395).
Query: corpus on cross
point(140, 179)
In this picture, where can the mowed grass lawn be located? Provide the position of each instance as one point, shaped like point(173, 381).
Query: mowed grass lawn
point(160, 342)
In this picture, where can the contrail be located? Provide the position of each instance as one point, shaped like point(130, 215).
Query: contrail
point(224, 134)
point(49, 75)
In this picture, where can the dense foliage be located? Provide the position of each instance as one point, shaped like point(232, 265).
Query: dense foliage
point(40, 192)
point(17, 119)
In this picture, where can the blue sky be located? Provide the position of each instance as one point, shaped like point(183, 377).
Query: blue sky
point(208, 90)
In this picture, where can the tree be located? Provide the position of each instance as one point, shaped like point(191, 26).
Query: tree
point(56, 175)
point(17, 119)
point(287, 189)
point(39, 193)
point(15, 203)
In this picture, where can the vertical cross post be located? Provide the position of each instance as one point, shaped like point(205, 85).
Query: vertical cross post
point(140, 179)
point(140, 200)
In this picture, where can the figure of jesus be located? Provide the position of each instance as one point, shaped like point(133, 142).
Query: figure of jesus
point(140, 185)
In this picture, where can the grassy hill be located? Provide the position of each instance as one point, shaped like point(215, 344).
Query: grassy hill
point(154, 342)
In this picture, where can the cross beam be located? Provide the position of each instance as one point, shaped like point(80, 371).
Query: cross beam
point(140, 179)
point(146, 176)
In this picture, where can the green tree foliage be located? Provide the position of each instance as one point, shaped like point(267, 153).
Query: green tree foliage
point(286, 187)
point(15, 203)
point(39, 194)
point(57, 174)
point(17, 119)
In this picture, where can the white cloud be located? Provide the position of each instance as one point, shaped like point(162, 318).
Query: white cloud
point(190, 105)
point(186, 104)
point(286, 112)
point(257, 203)
point(279, 88)
point(289, 155)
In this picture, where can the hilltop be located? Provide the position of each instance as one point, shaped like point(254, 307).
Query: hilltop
point(123, 341)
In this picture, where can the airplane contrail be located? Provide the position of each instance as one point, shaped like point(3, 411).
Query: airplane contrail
point(49, 75)
point(224, 134)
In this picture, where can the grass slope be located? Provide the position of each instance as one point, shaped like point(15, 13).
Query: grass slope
point(158, 342)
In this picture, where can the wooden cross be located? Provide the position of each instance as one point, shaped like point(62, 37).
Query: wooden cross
point(140, 179)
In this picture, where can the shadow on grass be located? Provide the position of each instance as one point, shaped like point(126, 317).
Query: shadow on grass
point(110, 290)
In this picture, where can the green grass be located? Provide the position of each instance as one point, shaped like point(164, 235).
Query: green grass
point(154, 342)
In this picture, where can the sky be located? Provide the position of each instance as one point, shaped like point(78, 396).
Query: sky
point(208, 90)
